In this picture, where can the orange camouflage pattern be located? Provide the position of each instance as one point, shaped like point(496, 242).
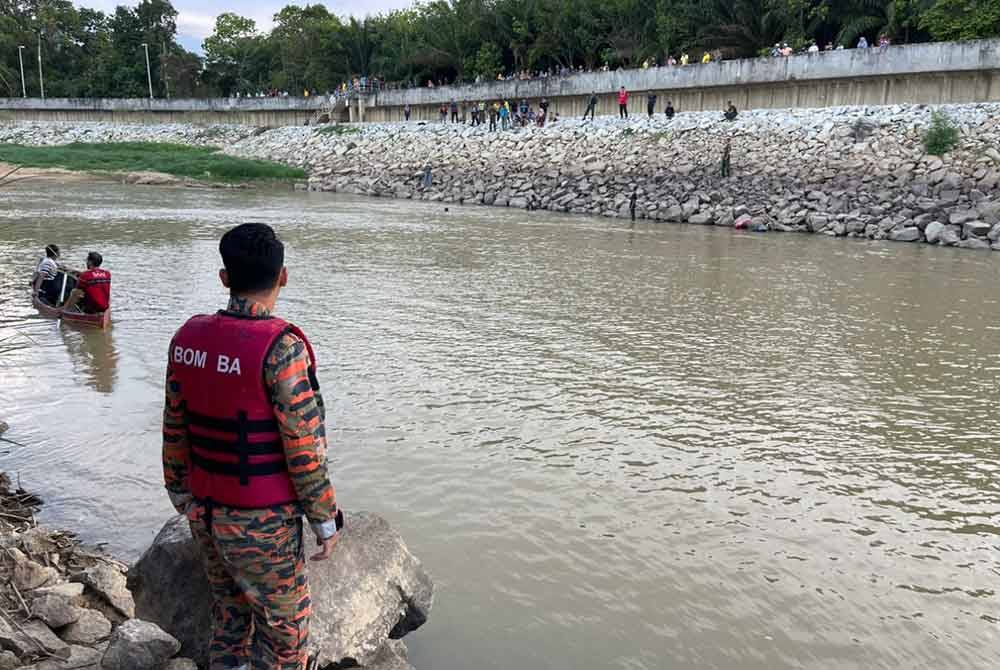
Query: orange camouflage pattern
point(254, 559)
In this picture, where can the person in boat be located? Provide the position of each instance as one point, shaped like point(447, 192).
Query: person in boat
point(45, 282)
point(92, 294)
point(244, 457)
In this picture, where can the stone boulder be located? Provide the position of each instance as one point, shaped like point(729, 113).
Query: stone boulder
point(31, 637)
point(77, 658)
point(950, 236)
point(933, 232)
point(370, 591)
point(55, 611)
point(91, 627)
point(29, 574)
point(110, 584)
point(392, 656)
point(905, 234)
point(138, 645)
point(973, 243)
point(976, 229)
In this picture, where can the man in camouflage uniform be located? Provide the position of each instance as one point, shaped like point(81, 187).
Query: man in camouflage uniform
point(254, 556)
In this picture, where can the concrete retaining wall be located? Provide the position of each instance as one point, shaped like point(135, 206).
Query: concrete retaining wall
point(271, 112)
point(937, 73)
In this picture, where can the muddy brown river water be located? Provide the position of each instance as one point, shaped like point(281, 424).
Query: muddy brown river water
point(613, 446)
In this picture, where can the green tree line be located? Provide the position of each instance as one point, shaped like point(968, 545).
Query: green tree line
point(87, 53)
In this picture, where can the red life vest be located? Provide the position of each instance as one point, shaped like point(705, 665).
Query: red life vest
point(237, 456)
point(96, 286)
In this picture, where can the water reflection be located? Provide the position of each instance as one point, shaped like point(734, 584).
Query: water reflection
point(94, 357)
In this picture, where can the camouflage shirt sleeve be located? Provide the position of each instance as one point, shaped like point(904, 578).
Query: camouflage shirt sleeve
point(176, 450)
point(301, 421)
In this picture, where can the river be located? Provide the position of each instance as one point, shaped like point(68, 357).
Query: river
point(612, 445)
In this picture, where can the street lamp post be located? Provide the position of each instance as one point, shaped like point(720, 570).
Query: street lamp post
point(41, 78)
point(20, 58)
point(149, 73)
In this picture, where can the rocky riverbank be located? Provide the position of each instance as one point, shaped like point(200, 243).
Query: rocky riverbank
point(850, 171)
point(64, 607)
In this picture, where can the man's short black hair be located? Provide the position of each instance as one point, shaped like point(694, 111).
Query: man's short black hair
point(253, 256)
point(52, 251)
point(95, 259)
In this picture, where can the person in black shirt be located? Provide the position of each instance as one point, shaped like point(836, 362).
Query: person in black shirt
point(591, 106)
point(730, 112)
point(669, 111)
point(651, 104)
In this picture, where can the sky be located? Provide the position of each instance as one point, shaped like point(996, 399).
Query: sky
point(196, 18)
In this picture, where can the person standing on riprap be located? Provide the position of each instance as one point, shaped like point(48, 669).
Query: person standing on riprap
point(244, 457)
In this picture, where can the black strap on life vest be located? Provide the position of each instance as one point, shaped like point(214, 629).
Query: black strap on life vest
point(230, 425)
point(243, 448)
point(237, 469)
point(225, 447)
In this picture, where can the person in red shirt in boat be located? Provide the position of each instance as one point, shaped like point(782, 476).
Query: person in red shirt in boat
point(92, 294)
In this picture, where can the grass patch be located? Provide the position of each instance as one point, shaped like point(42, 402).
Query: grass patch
point(175, 159)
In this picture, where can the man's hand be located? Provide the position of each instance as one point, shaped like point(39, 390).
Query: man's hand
point(326, 547)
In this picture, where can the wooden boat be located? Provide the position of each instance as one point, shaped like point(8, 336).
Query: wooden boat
point(100, 320)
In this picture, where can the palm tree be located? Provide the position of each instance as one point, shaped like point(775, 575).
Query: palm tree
point(873, 17)
point(742, 26)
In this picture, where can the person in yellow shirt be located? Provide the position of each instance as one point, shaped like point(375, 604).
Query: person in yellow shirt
point(707, 58)
point(685, 59)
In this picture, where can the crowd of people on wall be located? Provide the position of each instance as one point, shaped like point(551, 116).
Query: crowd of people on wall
point(364, 85)
point(508, 115)
point(500, 114)
point(782, 49)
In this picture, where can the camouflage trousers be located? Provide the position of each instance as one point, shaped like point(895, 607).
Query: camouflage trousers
point(255, 562)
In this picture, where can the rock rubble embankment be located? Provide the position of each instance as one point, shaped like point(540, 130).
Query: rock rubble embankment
point(63, 607)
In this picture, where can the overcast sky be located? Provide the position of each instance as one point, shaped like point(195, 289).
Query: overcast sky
point(196, 18)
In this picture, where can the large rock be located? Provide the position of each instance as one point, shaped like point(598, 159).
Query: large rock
point(392, 656)
point(111, 585)
point(77, 658)
point(31, 637)
point(180, 664)
point(65, 590)
point(139, 645)
point(976, 229)
point(89, 628)
point(371, 590)
point(29, 574)
point(55, 611)
point(933, 232)
point(907, 234)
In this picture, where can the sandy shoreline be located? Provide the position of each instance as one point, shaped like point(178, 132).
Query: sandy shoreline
point(16, 174)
